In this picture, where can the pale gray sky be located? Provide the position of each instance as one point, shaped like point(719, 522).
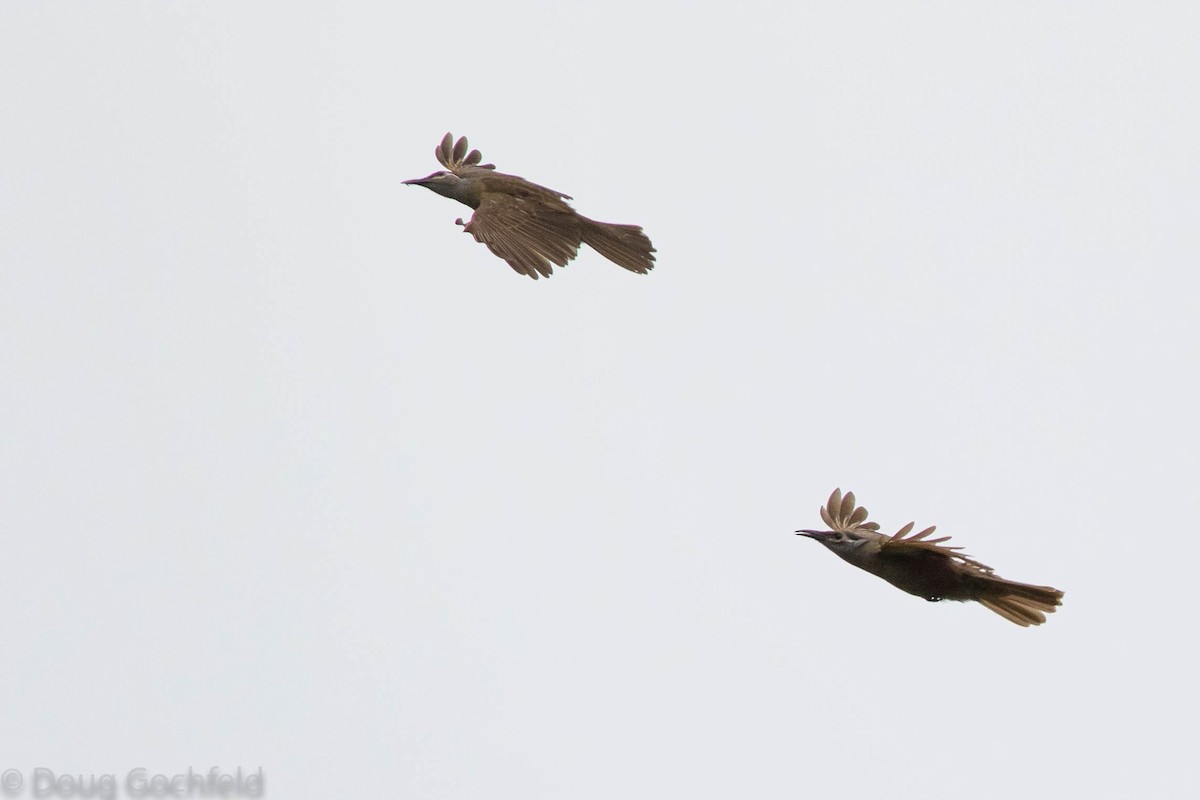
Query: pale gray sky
point(295, 475)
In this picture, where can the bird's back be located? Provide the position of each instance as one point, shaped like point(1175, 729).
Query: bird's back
point(503, 183)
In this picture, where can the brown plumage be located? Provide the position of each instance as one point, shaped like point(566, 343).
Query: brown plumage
point(529, 226)
point(927, 567)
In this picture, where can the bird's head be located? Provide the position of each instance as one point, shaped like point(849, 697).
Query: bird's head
point(840, 542)
point(453, 185)
point(459, 180)
point(849, 528)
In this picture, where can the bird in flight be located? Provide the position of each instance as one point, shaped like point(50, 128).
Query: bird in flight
point(529, 226)
point(927, 567)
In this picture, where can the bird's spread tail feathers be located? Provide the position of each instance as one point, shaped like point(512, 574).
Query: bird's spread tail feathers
point(1021, 603)
point(624, 245)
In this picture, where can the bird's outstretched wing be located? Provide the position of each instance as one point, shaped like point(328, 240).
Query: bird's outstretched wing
point(841, 514)
point(453, 155)
point(902, 543)
point(527, 233)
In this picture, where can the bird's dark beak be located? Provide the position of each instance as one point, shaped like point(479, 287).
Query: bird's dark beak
point(813, 534)
point(419, 181)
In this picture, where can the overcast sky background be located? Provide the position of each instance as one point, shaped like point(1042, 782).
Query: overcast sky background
point(295, 474)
